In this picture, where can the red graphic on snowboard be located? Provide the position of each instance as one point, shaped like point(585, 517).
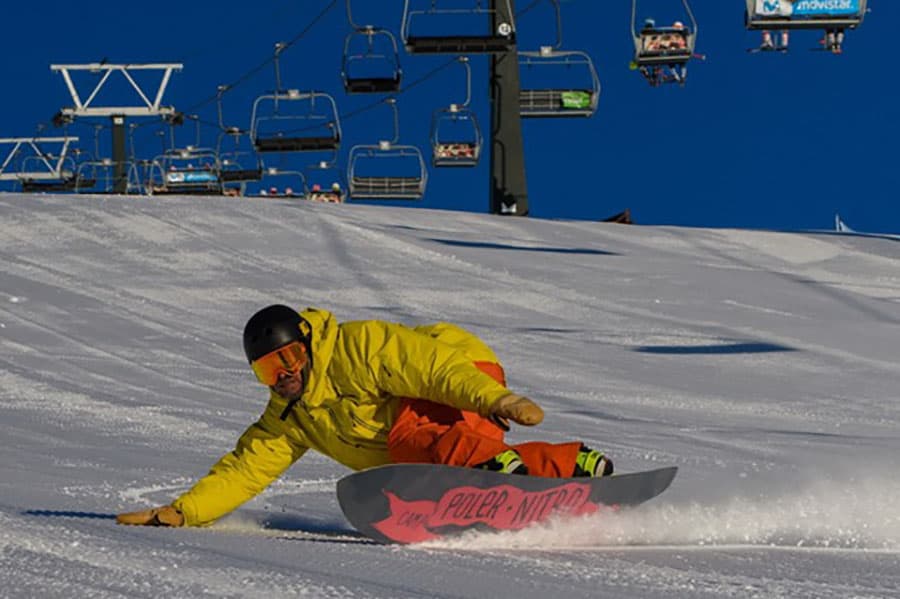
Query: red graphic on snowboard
point(503, 508)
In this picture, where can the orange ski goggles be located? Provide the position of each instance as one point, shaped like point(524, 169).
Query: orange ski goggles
point(289, 360)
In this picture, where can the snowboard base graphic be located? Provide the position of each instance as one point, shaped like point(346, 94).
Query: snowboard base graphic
point(412, 503)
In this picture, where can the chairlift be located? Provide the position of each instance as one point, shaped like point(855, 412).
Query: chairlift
point(785, 15)
point(38, 186)
point(371, 72)
point(662, 53)
point(377, 68)
point(559, 101)
point(99, 176)
point(236, 165)
point(316, 129)
point(538, 99)
point(278, 183)
point(456, 138)
point(386, 186)
point(42, 170)
point(187, 171)
point(325, 182)
point(502, 37)
point(33, 180)
point(387, 170)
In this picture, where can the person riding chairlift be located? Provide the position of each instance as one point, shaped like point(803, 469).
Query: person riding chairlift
point(678, 41)
point(650, 40)
point(768, 41)
point(833, 40)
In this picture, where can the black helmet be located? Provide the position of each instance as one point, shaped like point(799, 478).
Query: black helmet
point(271, 328)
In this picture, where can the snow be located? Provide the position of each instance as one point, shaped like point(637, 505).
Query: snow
point(763, 364)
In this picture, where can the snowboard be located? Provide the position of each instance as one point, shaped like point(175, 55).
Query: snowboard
point(413, 503)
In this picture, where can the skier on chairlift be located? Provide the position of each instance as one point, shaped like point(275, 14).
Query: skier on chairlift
point(833, 40)
point(768, 43)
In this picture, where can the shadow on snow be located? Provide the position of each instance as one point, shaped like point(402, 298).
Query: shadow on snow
point(731, 348)
point(523, 248)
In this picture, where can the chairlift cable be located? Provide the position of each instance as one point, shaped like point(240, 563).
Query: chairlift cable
point(255, 70)
point(357, 112)
point(529, 8)
point(252, 72)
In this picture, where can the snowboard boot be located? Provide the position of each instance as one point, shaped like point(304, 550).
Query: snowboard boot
point(507, 462)
point(593, 463)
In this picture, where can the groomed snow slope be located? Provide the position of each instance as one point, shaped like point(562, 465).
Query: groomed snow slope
point(765, 365)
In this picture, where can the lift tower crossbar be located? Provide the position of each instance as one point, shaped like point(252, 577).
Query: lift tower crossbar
point(149, 108)
point(53, 164)
point(146, 107)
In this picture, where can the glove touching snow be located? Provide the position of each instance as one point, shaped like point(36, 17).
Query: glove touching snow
point(158, 516)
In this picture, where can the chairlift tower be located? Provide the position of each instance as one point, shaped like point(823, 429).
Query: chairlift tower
point(118, 114)
point(508, 184)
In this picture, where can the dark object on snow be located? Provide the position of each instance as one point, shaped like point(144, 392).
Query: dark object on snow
point(623, 218)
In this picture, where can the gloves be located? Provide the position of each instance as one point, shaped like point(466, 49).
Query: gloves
point(518, 409)
point(158, 516)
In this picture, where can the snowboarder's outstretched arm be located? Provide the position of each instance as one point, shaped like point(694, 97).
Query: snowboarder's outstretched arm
point(260, 457)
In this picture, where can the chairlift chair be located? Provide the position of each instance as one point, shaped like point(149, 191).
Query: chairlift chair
point(371, 71)
point(295, 188)
point(313, 131)
point(463, 144)
point(33, 180)
point(175, 173)
point(501, 39)
point(387, 170)
point(537, 99)
point(456, 138)
point(386, 186)
point(99, 176)
point(785, 14)
point(236, 165)
point(331, 188)
point(664, 47)
point(232, 171)
point(37, 186)
point(42, 170)
point(559, 101)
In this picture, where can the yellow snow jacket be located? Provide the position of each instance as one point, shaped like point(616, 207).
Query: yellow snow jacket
point(360, 370)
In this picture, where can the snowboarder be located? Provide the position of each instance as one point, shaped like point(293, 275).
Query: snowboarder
point(369, 393)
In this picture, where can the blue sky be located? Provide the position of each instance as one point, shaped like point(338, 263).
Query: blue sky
point(761, 141)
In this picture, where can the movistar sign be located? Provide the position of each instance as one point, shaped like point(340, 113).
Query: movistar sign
point(826, 7)
point(806, 8)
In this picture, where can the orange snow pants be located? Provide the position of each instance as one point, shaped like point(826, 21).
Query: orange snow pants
point(429, 432)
